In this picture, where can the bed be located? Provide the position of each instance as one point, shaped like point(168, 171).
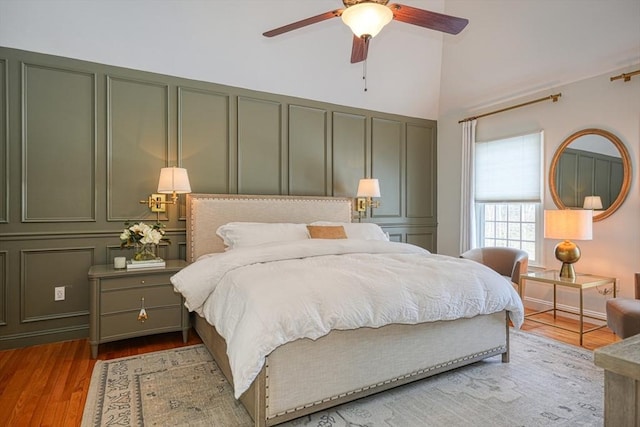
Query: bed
point(311, 374)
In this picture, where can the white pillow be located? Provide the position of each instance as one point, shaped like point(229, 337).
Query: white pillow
point(359, 230)
point(243, 234)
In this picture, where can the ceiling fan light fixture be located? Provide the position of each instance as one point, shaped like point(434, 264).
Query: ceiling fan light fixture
point(367, 18)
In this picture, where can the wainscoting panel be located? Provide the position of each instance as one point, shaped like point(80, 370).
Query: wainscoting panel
point(423, 237)
point(4, 143)
point(349, 153)
point(138, 144)
point(203, 138)
point(259, 146)
point(421, 172)
point(387, 149)
point(3, 287)
point(82, 143)
point(45, 269)
point(307, 151)
point(59, 144)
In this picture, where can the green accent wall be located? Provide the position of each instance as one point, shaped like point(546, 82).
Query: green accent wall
point(82, 143)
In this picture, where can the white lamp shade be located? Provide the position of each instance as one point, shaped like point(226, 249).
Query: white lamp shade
point(368, 188)
point(367, 18)
point(173, 179)
point(592, 202)
point(568, 224)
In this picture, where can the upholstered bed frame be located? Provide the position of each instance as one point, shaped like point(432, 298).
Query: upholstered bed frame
point(306, 376)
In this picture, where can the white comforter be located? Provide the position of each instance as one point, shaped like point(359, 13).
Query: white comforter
point(261, 297)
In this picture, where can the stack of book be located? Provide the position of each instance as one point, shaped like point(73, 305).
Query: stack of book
point(150, 263)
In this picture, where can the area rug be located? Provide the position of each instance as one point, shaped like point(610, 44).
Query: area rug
point(546, 383)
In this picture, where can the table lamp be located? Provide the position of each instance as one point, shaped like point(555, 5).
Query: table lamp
point(567, 225)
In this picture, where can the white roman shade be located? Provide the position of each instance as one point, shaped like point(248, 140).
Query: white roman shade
point(509, 170)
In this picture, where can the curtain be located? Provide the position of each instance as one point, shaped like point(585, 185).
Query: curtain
point(467, 201)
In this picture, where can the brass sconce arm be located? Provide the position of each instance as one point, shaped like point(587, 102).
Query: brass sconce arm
point(157, 202)
point(363, 203)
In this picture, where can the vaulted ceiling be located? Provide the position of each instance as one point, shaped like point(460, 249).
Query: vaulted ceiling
point(509, 48)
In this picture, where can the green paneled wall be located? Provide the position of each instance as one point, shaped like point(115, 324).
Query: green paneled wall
point(82, 143)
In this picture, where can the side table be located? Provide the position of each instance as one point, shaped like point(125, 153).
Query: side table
point(118, 296)
point(581, 282)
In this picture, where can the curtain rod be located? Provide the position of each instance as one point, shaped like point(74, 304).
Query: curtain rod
point(625, 76)
point(554, 98)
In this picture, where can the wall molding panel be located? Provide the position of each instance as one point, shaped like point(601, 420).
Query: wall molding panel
point(83, 144)
point(4, 142)
point(58, 144)
point(260, 162)
point(137, 142)
point(204, 138)
point(350, 152)
point(421, 173)
point(387, 165)
point(3, 287)
point(308, 152)
point(44, 269)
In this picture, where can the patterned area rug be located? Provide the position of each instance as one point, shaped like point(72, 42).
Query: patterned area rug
point(546, 383)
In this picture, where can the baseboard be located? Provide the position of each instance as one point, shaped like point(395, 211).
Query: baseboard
point(569, 311)
point(48, 336)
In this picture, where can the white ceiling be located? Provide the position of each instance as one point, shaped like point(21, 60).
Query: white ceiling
point(515, 47)
point(510, 48)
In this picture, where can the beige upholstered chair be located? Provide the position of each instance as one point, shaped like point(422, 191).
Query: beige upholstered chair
point(509, 262)
point(623, 314)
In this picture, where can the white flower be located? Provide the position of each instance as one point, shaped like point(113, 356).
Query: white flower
point(142, 233)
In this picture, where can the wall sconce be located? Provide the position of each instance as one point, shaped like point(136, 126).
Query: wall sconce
point(568, 224)
point(172, 181)
point(367, 188)
point(592, 202)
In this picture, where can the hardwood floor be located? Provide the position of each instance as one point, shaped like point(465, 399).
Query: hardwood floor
point(47, 385)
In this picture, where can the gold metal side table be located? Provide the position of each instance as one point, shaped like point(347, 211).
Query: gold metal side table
point(581, 282)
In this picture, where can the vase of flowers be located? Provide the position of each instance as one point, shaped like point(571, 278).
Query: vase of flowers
point(144, 238)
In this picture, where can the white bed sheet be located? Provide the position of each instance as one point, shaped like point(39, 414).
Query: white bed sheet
point(261, 297)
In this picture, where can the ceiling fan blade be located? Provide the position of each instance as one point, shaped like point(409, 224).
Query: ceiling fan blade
point(424, 18)
point(359, 49)
point(303, 23)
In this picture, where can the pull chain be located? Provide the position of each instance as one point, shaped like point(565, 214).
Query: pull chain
point(364, 74)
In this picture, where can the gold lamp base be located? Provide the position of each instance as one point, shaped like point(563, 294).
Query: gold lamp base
point(568, 253)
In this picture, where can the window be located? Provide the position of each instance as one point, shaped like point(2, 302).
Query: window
point(508, 187)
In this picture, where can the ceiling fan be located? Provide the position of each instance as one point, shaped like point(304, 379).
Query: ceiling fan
point(367, 17)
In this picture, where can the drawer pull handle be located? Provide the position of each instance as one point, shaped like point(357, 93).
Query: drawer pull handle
point(142, 282)
point(142, 316)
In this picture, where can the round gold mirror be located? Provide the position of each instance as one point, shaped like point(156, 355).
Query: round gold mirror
point(590, 170)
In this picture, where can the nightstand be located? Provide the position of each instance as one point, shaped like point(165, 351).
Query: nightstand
point(581, 282)
point(117, 296)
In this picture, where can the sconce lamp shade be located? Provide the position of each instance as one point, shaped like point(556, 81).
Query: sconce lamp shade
point(173, 180)
point(367, 18)
point(592, 202)
point(368, 187)
point(566, 224)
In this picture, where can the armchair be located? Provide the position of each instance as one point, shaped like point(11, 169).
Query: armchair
point(509, 262)
point(623, 314)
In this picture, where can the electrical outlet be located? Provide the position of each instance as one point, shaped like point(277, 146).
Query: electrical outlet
point(58, 293)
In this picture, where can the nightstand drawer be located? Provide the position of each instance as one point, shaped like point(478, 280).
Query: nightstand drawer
point(134, 281)
point(126, 324)
point(130, 299)
point(116, 300)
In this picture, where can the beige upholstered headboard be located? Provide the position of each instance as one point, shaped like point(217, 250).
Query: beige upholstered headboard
point(206, 212)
